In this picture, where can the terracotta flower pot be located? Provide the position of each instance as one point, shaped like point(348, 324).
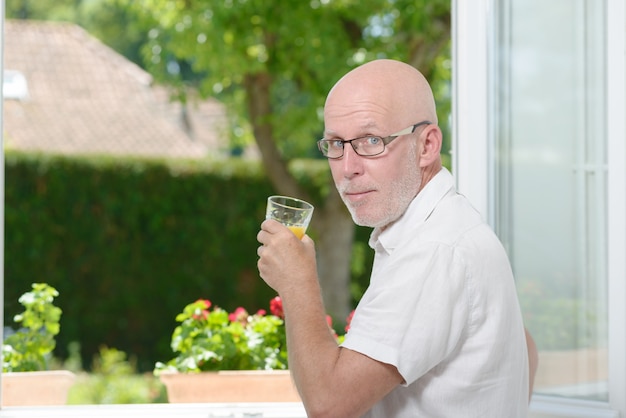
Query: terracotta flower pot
point(36, 388)
point(230, 386)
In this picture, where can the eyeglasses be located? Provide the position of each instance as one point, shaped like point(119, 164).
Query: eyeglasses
point(366, 146)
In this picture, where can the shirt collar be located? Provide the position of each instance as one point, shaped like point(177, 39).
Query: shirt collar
point(418, 211)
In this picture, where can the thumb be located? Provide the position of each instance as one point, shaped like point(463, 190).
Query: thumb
point(308, 241)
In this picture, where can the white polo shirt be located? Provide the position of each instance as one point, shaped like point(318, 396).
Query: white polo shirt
point(442, 307)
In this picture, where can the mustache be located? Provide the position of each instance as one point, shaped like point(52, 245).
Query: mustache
point(347, 187)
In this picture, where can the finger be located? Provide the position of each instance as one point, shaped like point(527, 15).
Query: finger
point(260, 236)
point(270, 225)
point(274, 227)
point(308, 241)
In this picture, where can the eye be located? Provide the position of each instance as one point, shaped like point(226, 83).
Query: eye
point(335, 144)
point(373, 140)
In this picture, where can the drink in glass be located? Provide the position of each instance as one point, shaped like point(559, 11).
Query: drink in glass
point(294, 213)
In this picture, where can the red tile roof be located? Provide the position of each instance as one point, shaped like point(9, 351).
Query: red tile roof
point(85, 98)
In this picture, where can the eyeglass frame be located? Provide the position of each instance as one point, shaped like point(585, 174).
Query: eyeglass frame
point(386, 140)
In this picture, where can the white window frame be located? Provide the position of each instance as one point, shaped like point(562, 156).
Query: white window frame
point(616, 132)
point(472, 145)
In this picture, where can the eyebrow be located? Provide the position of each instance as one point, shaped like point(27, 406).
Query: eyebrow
point(331, 134)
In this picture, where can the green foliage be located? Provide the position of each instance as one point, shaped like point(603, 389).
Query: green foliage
point(29, 348)
point(104, 19)
point(127, 242)
point(300, 48)
point(297, 50)
point(209, 340)
point(272, 63)
point(114, 380)
point(42, 9)
point(303, 49)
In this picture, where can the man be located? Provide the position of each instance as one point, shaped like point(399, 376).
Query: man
point(438, 333)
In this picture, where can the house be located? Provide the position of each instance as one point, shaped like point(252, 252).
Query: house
point(66, 92)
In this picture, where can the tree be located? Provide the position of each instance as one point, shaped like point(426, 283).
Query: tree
point(104, 19)
point(43, 9)
point(273, 62)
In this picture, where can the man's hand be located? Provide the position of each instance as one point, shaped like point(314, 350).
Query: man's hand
point(284, 260)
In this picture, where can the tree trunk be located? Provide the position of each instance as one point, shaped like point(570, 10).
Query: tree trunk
point(332, 223)
point(260, 112)
point(334, 238)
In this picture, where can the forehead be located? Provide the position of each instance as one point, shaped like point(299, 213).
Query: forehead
point(360, 105)
point(351, 120)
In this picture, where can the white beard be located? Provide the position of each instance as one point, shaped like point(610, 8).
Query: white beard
point(391, 205)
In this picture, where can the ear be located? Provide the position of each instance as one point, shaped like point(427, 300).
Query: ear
point(430, 145)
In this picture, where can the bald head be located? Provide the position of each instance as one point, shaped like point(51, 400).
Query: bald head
point(379, 99)
point(386, 86)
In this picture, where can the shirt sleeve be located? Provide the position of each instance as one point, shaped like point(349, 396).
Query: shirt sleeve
point(414, 311)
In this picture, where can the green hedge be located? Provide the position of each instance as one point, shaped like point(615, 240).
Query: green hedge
point(129, 242)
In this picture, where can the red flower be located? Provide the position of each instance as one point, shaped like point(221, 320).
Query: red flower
point(206, 302)
point(349, 320)
point(276, 307)
point(261, 312)
point(240, 315)
point(204, 313)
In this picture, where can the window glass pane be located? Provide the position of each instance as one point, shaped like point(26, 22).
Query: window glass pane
point(550, 183)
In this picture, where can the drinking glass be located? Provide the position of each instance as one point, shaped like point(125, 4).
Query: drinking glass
point(294, 213)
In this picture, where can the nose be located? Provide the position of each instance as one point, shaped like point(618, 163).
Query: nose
point(351, 162)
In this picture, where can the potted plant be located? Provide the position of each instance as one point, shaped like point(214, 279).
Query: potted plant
point(25, 353)
point(228, 357)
